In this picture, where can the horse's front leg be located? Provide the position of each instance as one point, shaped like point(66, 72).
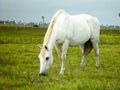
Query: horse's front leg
point(58, 49)
point(63, 55)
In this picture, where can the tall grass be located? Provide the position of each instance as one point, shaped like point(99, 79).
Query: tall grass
point(19, 64)
point(21, 34)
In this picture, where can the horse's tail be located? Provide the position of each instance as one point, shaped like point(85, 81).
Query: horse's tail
point(52, 22)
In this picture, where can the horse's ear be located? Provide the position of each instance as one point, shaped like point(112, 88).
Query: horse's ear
point(39, 46)
point(46, 47)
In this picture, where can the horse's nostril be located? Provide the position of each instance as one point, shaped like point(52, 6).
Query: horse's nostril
point(42, 74)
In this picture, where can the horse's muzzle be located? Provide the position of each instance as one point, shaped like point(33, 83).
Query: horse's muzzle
point(42, 74)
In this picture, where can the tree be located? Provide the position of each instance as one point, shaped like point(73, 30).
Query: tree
point(1, 22)
point(119, 14)
point(43, 18)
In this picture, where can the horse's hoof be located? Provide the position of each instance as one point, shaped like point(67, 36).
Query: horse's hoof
point(97, 67)
point(62, 72)
point(82, 67)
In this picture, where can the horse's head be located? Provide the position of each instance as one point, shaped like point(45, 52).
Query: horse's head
point(46, 60)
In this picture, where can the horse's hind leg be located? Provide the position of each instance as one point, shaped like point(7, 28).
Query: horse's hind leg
point(86, 48)
point(96, 49)
point(83, 58)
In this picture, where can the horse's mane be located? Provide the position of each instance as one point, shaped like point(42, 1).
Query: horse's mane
point(50, 28)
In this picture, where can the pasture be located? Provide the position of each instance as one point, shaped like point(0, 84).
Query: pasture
point(19, 63)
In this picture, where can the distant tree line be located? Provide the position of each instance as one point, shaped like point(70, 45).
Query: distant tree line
point(7, 22)
point(23, 23)
point(110, 26)
point(13, 22)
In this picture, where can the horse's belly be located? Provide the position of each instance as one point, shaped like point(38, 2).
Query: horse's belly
point(74, 42)
point(76, 35)
point(75, 39)
point(79, 38)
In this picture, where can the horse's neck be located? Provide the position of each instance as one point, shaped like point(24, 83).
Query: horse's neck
point(50, 36)
point(49, 42)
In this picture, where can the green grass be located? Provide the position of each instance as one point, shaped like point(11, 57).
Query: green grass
point(19, 63)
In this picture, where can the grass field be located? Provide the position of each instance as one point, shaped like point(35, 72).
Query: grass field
point(19, 64)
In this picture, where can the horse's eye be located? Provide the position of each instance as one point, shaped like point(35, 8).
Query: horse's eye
point(47, 58)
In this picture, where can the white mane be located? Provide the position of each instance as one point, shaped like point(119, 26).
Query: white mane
point(50, 28)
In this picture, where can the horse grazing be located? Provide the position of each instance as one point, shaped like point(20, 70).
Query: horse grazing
point(76, 30)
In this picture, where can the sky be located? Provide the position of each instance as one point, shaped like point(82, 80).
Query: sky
point(32, 10)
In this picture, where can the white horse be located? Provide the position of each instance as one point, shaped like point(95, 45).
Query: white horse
point(64, 30)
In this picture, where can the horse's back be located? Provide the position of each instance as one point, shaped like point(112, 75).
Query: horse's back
point(88, 25)
point(94, 26)
point(77, 28)
point(88, 19)
point(91, 21)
